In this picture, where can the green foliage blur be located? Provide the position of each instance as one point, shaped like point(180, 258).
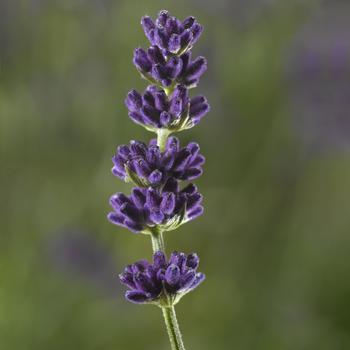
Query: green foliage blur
point(274, 239)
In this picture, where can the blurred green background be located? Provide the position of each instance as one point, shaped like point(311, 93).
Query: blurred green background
point(274, 240)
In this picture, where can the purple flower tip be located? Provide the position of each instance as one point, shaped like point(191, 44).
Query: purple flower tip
point(170, 34)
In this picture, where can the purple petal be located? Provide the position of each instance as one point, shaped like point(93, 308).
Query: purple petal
point(160, 38)
point(116, 219)
point(131, 211)
point(191, 174)
point(133, 101)
point(147, 25)
point(143, 282)
point(196, 68)
point(182, 159)
point(195, 213)
point(156, 55)
point(153, 199)
point(138, 197)
point(159, 260)
point(165, 119)
point(157, 217)
point(127, 279)
point(197, 30)
point(162, 18)
point(133, 226)
point(161, 102)
point(187, 280)
point(192, 261)
point(155, 177)
point(200, 277)
point(174, 67)
point(174, 43)
point(172, 275)
point(167, 205)
point(137, 297)
point(176, 107)
point(188, 22)
point(141, 60)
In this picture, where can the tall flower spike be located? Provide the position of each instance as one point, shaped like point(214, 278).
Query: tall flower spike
point(160, 202)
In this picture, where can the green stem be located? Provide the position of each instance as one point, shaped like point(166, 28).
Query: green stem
point(173, 329)
point(162, 136)
point(157, 241)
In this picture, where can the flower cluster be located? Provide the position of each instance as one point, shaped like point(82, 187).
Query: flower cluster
point(171, 35)
point(154, 109)
point(163, 281)
point(147, 208)
point(160, 202)
point(146, 165)
point(154, 66)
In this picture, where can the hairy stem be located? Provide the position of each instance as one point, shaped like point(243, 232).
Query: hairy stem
point(162, 136)
point(173, 329)
point(157, 241)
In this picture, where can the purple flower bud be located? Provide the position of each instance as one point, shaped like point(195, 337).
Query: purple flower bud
point(141, 60)
point(155, 177)
point(156, 55)
point(168, 203)
point(195, 69)
point(175, 43)
point(176, 277)
point(148, 26)
point(192, 261)
point(172, 275)
point(137, 297)
point(133, 101)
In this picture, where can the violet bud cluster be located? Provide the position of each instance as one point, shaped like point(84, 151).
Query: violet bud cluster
point(146, 165)
point(155, 110)
point(162, 281)
point(147, 208)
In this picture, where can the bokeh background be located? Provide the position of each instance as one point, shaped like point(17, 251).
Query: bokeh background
point(274, 240)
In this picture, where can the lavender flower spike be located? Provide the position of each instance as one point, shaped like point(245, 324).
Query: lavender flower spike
point(163, 282)
point(160, 202)
point(146, 166)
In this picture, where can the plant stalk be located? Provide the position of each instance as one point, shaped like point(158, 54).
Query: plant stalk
point(157, 241)
point(162, 136)
point(173, 329)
